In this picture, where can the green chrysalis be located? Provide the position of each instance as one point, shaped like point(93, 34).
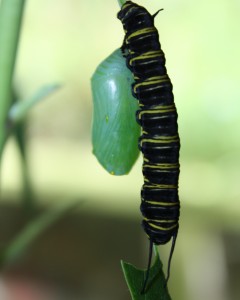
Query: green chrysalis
point(115, 131)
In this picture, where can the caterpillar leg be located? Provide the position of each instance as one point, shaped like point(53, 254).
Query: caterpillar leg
point(170, 256)
point(148, 267)
point(174, 238)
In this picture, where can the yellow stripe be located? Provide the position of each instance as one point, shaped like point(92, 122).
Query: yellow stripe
point(162, 228)
point(161, 186)
point(158, 109)
point(159, 221)
point(129, 11)
point(141, 31)
point(151, 81)
point(155, 52)
point(157, 78)
point(155, 111)
point(162, 203)
point(145, 159)
point(168, 137)
point(172, 139)
point(147, 55)
point(162, 166)
point(164, 106)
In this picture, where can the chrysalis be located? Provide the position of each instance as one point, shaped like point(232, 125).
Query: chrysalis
point(115, 132)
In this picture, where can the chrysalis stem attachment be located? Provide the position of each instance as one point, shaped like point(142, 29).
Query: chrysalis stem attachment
point(148, 267)
point(121, 2)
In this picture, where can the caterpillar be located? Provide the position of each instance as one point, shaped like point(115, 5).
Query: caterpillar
point(159, 141)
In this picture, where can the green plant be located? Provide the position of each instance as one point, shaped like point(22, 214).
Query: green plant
point(13, 113)
point(10, 23)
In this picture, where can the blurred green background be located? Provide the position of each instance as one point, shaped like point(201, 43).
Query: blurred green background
point(64, 41)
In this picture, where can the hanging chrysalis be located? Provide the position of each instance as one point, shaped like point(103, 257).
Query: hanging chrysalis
point(115, 132)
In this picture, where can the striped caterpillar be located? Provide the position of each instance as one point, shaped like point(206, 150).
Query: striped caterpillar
point(159, 141)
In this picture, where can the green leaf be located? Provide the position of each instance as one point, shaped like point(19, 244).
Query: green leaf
point(155, 289)
point(19, 109)
point(30, 233)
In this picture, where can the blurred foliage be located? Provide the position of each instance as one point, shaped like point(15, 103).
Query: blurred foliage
point(31, 232)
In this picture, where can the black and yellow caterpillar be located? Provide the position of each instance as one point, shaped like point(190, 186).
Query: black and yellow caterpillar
point(159, 140)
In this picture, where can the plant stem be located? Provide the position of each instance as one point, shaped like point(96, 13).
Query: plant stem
point(121, 2)
point(28, 197)
point(11, 12)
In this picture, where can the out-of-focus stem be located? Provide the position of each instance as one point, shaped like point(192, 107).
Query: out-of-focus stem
point(11, 12)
